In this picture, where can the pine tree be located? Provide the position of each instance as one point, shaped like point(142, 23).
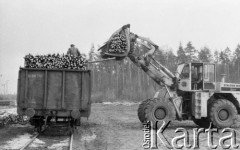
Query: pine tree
point(237, 61)
point(191, 52)
point(225, 57)
point(92, 54)
point(181, 56)
point(216, 56)
point(171, 60)
point(204, 55)
point(237, 52)
point(228, 56)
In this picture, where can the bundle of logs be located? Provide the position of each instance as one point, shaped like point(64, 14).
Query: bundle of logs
point(116, 46)
point(55, 61)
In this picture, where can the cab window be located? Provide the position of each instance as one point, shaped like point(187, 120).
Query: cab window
point(209, 73)
point(209, 77)
point(185, 72)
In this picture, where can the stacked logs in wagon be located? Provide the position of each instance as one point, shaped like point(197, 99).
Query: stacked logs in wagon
point(55, 61)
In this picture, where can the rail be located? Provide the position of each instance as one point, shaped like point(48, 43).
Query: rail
point(32, 139)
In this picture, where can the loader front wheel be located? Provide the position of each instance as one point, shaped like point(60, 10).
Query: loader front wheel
point(159, 110)
point(222, 113)
point(141, 110)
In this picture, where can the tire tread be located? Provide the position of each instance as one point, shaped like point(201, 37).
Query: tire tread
point(213, 107)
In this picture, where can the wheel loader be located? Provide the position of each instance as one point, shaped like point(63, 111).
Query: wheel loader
point(191, 93)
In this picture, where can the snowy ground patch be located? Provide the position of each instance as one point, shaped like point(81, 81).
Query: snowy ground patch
point(59, 145)
point(37, 143)
point(18, 142)
point(89, 138)
point(8, 111)
point(120, 103)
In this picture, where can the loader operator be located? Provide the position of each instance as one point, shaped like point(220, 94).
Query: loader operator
point(73, 51)
point(197, 78)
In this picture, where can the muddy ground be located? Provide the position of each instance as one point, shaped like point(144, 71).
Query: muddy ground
point(110, 127)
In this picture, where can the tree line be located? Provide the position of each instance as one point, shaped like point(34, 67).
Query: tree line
point(124, 81)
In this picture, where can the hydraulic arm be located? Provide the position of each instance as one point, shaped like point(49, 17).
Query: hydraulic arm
point(160, 74)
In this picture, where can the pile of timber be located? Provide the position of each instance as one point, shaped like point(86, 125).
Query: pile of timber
point(55, 61)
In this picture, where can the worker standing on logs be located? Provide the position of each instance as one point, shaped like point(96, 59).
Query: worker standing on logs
point(73, 51)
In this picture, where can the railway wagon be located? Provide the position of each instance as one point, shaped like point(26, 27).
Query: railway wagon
point(54, 94)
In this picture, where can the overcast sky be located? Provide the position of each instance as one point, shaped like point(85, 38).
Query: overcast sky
point(50, 26)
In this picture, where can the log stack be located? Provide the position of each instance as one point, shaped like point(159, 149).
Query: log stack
point(118, 44)
point(55, 61)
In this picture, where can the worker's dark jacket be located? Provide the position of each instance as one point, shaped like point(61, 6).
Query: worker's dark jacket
point(73, 51)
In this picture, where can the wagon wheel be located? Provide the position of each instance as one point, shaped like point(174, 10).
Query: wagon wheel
point(23, 120)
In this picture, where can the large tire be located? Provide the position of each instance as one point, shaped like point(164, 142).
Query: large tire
point(159, 110)
point(222, 113)
point(141, 110)
point(203, 122)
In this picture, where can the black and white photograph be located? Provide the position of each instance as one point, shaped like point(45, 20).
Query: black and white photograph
point(119, 74)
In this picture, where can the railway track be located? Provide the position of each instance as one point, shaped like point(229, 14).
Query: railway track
point(29, 142)
point(39, 134)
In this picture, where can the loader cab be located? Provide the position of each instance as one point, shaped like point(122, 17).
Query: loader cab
point(196, 76)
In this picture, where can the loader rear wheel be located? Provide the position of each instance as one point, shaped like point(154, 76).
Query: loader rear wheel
point(203, 122)
point(159, 110)
point(222, 113)
point(141, 110)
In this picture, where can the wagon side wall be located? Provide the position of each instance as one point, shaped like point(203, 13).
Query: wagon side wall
point(49, 89)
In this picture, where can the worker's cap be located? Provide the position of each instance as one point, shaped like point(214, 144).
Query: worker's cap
point(72, 45)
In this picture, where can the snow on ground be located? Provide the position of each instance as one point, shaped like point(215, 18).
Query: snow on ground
point(60, 145)
point(20, 126)
point(2, 112)
point(6, 111)
point(120, 103)
point(89, 138)
point(10, 110)
point(18, 142)
point(37, 143)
